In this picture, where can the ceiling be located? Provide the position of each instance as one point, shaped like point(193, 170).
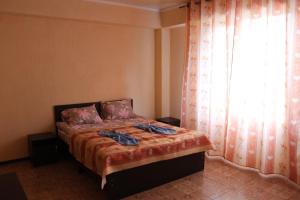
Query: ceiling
point(146, 4)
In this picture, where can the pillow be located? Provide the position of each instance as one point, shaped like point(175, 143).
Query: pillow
point(120, 109)
point(84, 115)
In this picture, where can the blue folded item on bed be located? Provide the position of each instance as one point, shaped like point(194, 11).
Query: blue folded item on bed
point(121, 138)
point(155, 129)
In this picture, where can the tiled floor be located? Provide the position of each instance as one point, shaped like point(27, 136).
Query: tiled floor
point(223, 182)
point(217, 182)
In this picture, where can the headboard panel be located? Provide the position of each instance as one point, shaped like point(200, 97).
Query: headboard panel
point(59, 108)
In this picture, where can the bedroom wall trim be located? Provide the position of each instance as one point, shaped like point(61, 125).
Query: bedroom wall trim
point(14, 160)
point(83, 10)
point(123, 4)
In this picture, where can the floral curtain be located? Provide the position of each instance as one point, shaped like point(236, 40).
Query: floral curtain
point(242, 81)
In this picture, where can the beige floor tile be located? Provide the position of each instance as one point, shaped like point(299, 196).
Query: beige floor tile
point(296, 196)
point(218, 181)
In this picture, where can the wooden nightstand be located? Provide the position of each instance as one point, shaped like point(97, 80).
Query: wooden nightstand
point(42, 148)
point(169, 120)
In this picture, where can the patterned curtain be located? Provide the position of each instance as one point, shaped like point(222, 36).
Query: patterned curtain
point(242, 81)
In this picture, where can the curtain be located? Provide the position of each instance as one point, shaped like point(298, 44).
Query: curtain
point(241, 82)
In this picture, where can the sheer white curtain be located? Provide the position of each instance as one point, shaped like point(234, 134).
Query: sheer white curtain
point(242, 81)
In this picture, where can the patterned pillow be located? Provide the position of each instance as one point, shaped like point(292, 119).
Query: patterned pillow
point(84, 115)
point(121, 109)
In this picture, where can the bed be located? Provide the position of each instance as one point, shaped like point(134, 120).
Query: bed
point(127, 170)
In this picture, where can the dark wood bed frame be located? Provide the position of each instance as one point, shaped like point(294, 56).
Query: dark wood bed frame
point(127, 182)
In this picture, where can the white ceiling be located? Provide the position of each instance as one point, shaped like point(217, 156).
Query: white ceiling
point(155, 5)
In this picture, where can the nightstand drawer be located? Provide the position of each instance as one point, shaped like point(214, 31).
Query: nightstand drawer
point(42, 148)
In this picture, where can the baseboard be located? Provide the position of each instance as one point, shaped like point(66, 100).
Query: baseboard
point(14, 160)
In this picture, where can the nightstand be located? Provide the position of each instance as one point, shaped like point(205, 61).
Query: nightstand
point(169, 120)
point(42, 148)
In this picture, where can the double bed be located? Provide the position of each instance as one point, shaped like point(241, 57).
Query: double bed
point(124, 170)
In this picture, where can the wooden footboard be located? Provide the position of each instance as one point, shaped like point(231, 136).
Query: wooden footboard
point(127, 182)
point(134, 180)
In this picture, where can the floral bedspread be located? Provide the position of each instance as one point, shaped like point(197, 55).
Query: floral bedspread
point(105, 156)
